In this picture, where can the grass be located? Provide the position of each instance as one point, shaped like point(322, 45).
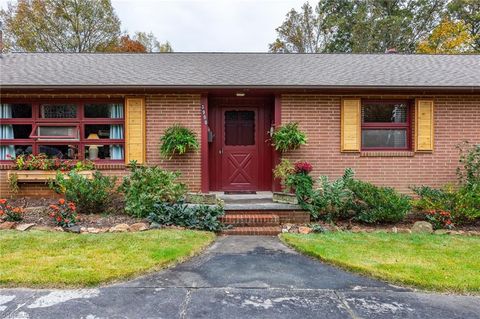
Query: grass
point(433, 262)
point(51, 259)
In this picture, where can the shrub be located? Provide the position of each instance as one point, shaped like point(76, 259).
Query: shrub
point(375, 204)
point(462, 201)
point(177, 140)
point(90, 195)
point(9, 213)
point(469, 171)
point(288, 137)
point(146, 186)
point(334, 200)
point(63, 214)
point(200, 217)
point(439, 219)
point(350, 198)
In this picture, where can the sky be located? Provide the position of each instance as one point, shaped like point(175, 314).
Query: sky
point(206, 25)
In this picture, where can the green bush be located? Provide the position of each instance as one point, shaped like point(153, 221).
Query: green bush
point(288, 137)
point(177, 140)
point(146, 186)
point(200, 217)
point(334, 200)
point(89, 195)
point(461, 201)
point(374, 204)
point(348, 198)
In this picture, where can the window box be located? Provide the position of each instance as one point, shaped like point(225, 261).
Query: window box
point(39, 176)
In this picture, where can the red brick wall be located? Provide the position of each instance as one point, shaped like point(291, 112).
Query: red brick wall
point(162, 112)
point(457, 118)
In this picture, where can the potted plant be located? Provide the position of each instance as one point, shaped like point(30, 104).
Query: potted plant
point(288, 137)
point(177, 140)
point(282, 172)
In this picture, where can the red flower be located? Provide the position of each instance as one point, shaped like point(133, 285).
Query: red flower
point(3, 201)
point(303, 167)
point(61, 201)
point(54, 207)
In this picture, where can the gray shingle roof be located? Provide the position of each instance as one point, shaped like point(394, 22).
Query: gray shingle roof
point(239, 70)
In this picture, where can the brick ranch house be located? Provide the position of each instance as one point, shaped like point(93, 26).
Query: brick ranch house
point(395, 119)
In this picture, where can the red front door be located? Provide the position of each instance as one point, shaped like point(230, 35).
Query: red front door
point(239, 149)
point(240, 152)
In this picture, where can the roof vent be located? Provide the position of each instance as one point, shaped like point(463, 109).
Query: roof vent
point(391, 51)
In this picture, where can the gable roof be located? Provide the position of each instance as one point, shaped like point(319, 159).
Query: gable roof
point(249, 70)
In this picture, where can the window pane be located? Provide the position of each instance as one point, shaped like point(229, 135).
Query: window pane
point(22, 130)
point(60, 151)
point(385, 113)
point(105, 152)
point(103, 131)
point(58, 111)
point(16, 111)
point(384, 138)
point(10, 152)
point(103, 110)
point(58, 131)
point(239, 128)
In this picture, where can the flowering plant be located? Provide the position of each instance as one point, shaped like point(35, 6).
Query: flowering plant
point(439, 219)
point(9, 213)
point(303, 168)
point(64, 214)
point(42, 162)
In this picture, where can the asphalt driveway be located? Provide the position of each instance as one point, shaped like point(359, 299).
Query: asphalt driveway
point(241, 277)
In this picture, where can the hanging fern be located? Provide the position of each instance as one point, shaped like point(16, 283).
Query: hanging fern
point(288, 137)
point(177, 140)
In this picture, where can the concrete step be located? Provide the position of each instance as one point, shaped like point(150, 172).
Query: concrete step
point(263, 231)
point(250, 219)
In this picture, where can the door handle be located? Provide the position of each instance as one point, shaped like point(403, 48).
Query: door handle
point(220, 151)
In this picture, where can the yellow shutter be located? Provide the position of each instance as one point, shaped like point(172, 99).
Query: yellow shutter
point(135, 130)
point(351, 123)
point(424, 126)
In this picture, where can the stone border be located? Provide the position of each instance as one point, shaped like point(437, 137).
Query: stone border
point(119, 228)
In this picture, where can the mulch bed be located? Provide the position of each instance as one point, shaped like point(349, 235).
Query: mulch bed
point(36, 211)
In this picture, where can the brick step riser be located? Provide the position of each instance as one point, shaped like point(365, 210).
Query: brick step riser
point(252, 224)
point(250, 233)
point(296, 217)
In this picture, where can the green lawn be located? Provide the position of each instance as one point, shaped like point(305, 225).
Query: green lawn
point(433, 262)
point(53, 259)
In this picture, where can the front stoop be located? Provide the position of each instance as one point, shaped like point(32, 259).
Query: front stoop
point(257, 214)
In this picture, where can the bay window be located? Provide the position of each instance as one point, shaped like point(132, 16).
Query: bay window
point(386, 125)
point(91, 130)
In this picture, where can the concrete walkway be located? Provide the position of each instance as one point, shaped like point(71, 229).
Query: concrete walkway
point(241, 277)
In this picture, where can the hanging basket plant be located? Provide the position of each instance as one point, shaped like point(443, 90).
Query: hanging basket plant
point(288, 137)
point(177, 140)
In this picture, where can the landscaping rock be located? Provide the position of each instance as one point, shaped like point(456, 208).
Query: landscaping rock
point(356, 229)
point(73, 229)
point(83, 230)
point(286, 228)
point(293, 229)
point(24, 227)
point(58, 228)
point(442, 232)
point(138, 227)
point(304, 230)
point(473, 233)
point(93, 230)
point(42, 228)
point(404, 231)
point(120, 228)
point(422, 227)
point(7, 225)
point(155, 225)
